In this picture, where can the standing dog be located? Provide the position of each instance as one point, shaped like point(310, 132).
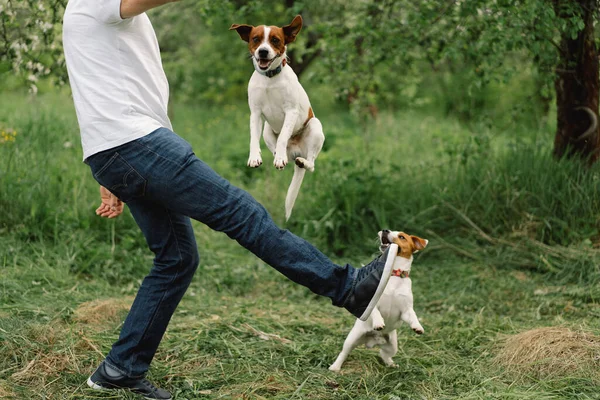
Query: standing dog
point(394, 307)
point(291, 130)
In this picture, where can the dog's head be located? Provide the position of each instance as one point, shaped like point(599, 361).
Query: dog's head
point(407, 244)
point(267, 44)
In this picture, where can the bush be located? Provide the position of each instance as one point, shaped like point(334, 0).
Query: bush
point(517, 207)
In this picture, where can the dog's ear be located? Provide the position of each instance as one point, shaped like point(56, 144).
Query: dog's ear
point(291, 31)
point(243, 31)
point(419, 243)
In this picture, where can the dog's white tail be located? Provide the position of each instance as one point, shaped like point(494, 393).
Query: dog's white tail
point(293, 190)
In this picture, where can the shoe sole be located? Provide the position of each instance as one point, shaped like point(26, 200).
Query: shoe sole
point(95, 386)
point(385, 277)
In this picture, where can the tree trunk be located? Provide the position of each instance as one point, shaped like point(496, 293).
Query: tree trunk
point(300, 66)
point(577, 89)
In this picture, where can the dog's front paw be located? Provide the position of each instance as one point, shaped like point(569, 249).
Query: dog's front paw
point(378, 326)
point(254, 161)
point(280, 162)
point(335, 368)
point(389, 362)
point(419, 330)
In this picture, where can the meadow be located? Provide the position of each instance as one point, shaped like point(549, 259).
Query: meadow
point(513, 248)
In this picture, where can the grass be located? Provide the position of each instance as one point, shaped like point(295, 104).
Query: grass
point(512, 248)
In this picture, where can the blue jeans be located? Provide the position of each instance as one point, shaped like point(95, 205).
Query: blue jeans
point(164, 185)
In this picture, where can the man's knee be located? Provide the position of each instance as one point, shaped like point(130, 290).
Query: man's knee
point(185, 262)
point(190, 259)
point(194, 260)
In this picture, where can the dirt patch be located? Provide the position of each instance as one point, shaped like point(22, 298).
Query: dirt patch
point(551, 352)
point(103, 313)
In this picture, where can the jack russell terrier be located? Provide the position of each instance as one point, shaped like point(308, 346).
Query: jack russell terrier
point(394, 306)
point(291, 130)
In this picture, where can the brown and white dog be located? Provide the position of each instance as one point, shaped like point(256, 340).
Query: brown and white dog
point(394, 307)
point(276, 98)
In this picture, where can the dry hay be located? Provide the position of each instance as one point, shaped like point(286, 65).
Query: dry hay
point(102, 314)
point(47, 362)
point(45, 335)
point(551, 352)
point(5, 392)
point(53, 350)
point(44, 366)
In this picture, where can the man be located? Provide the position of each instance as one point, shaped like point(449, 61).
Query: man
point(121, 94)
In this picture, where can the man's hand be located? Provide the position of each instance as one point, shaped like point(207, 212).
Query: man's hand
point(131, 8)
point(111, 206)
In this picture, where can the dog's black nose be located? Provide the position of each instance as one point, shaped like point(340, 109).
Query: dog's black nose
point(385, 231)
point(263, 53)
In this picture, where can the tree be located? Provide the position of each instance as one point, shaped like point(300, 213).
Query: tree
point(372, 52)
point(389, 42)
point(577, 83)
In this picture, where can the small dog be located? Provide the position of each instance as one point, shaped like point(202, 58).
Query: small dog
point(275, 97)
point(395, 305)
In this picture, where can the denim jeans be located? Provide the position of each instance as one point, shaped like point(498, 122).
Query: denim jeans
point(164, 185)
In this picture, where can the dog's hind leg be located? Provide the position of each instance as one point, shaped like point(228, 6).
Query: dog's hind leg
point(287, 130)
point(312, 144)
point(269, 137)
point(355, 338)
point(389, 349)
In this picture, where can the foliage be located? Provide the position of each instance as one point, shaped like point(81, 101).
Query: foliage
point(372, 53)
point(510, 206)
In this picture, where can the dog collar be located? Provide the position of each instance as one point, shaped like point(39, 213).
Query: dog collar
point(400, 274)
point(276, 71)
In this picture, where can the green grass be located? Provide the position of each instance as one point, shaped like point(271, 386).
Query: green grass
point(512, 247)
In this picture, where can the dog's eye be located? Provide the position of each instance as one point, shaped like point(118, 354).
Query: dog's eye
point(275, 41)
point(256, 39)
point(402, 237)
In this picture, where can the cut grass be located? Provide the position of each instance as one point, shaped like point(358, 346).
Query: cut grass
point(276, 340)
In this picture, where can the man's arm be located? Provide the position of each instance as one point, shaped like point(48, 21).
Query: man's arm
point(131, 8)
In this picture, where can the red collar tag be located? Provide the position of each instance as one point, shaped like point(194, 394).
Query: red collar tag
point(400, 274)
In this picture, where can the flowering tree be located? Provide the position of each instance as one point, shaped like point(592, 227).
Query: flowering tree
point(30, 40)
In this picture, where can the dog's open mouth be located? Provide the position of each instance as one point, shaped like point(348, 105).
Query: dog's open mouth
point(385, 243)
point(264, 63)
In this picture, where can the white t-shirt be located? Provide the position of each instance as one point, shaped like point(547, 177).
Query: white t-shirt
point(119, 87)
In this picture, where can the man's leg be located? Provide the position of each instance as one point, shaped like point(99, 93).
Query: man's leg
point(177, 178)
point(171, 237)
point(161, 179)
point(185, 184)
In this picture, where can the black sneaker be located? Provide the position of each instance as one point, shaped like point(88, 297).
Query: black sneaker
point(370, 282)
point(108, 378)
